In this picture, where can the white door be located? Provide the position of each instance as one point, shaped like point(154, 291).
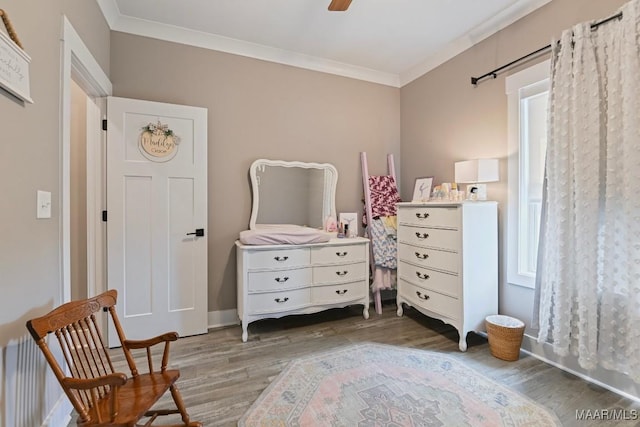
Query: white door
point(156, 200)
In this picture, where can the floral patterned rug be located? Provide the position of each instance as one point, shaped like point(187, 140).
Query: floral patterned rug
point(382, 385)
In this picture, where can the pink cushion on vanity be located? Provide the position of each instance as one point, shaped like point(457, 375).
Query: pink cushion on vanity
point(277, 234)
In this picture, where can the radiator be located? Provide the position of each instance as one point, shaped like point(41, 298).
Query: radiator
point(32, 396)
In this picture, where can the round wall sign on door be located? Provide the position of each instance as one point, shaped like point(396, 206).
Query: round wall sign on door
point(158, 143)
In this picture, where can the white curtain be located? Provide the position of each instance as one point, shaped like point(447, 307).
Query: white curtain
point(589, 257)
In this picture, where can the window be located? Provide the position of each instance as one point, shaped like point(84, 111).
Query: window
point(528, 95)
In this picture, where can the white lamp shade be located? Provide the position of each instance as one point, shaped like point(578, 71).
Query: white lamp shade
point(478, 170)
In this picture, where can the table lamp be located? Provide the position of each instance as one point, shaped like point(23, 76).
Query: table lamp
point(476, 173)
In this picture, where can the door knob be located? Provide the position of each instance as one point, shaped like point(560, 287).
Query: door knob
point(198, 233)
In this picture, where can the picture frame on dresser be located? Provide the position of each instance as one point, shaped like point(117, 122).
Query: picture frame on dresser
point(422, 189)
point(349, 219)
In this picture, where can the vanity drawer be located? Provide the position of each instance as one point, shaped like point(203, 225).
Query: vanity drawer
point(262, 281)
point(441, 304)
point(430, 216)
point(279, 258)
point(338, 293)
point(430, 237)
point(431, 258)
point(339, 273)
point(275, 302)
point(444, 283)
point(338, 254)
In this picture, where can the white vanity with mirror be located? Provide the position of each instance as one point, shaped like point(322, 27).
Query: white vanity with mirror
point(286, 262)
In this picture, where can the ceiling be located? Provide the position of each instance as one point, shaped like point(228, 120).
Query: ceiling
point(390, 42)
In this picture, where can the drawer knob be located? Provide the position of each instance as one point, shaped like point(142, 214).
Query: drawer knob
point(422, 296)
point(422, 235)
point(421, 256)
point(281, 300)
point(422, 275)
point(281, 258)
point(281, 279)
point(423, 215)
point(341, 292)
point(341, 254)
point(342, 273)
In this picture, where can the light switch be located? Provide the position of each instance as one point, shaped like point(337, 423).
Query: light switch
point(44, 204)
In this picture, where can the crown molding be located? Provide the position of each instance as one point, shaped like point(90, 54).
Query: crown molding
point(110, 11)
point(171, 33)
point(489, 27)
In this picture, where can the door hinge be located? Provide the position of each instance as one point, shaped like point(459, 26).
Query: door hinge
point(104, 124)
point(104, 216)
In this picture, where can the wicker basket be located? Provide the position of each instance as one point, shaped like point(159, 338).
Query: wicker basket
point(505, 336)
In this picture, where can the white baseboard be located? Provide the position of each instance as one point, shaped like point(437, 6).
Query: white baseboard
point(60, 414)
point(544, 353)
point(217, 319)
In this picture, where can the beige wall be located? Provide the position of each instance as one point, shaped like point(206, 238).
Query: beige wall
point(30, 158)
point(446, 119)
point(257, 110)
point(88, 21)
point(30, 161)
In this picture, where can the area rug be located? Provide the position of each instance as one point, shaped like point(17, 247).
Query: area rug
point(382, 385)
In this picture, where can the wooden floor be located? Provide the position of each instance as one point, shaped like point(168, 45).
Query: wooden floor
point(222, 376)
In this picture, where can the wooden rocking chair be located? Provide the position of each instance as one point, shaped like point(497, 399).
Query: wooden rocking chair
point(101, 396)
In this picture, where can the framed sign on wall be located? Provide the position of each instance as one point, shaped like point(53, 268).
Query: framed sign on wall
point(14, 63)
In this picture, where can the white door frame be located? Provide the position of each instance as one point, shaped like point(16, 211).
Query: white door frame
point(95, 200)
point(77, 63)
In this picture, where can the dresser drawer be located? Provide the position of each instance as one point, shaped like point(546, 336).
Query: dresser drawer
point(444, 283)
point(441, 304)
point(431, 258)
point(264, 281)
point(275, 302)
point(430, 237)
point(339, 273)
point(338, 254)
point(338, 293)
point(279, 258)
point(430, 216)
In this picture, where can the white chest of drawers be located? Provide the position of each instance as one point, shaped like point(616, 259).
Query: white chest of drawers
point(279, 280)
point(448, 262)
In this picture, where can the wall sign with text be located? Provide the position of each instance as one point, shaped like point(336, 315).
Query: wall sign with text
point(14, 69)
point(158, 143)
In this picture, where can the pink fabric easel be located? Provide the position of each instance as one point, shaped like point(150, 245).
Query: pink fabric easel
point(369, 215)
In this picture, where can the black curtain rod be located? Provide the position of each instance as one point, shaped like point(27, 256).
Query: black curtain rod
point(494, 73)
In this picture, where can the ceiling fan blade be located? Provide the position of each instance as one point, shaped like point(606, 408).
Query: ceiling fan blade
point(339, 5)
